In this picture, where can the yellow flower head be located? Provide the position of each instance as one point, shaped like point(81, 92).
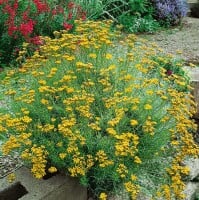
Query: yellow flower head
point(92, 55)
point(133, 177)
point(137, 160)
point(134, 122)
point(103, 196)
point(62, 155)
point(109, 56)
point(52, 169)
point(11, 177)
point(148, 106)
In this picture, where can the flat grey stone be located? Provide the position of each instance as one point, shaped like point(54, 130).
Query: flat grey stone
point(58, 187)
point(193, 164)
point(190, 191)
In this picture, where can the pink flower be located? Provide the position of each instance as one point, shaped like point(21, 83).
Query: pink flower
point(60, 10)
point(67, 26)
point(83, 17)
point(71, 5)
point(15, 6)
point(26, 28)
point(11, 29)
point(41, 7)
point(25, 16)
point(70, 16)
point(36, 40)
point(169, 72)
point(3, 1)
point(54, 12)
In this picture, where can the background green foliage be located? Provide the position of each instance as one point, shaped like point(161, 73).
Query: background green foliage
point(134, 15)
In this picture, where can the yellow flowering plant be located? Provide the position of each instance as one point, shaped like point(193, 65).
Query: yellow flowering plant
point(98, 106)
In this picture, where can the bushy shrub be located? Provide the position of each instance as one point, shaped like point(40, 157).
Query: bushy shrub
point(101, 108)
point(136, 23)
point(138, 15)
point(25, 21)
point(135, 15)
point(170, 12)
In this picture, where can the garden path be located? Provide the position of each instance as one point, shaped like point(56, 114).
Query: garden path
point(182, 40)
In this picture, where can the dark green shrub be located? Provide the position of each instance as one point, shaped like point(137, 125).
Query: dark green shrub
point(137, 15)
point(136, 23)
point(134, 15)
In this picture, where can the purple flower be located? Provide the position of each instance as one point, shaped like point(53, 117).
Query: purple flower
point(170, 10)
point(169, 72)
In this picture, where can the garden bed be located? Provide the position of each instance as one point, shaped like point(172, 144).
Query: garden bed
point(133, 122)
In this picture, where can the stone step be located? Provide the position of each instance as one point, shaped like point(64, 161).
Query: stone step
point(193, 73)
point(191, 189)
point(26, 187)
point(191, 3)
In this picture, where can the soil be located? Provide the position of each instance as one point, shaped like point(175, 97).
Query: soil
point(183, 38)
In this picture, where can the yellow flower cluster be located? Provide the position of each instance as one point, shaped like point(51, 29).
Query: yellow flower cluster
point(11, 177)
point(103, 196)
point(133, 189)
point(126, 144)
point(100, 106)
point(102, 158)
point(122, 170)
point(149, 126)
point(38, 160)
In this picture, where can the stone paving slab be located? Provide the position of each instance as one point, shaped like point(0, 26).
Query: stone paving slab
point(191, 189)
point(58, 187)
point(193, 73)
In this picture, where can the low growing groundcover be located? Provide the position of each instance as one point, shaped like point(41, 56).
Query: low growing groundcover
point(112, 111)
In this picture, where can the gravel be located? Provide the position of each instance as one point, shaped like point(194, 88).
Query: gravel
point(9, 164)
point(184, 38)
